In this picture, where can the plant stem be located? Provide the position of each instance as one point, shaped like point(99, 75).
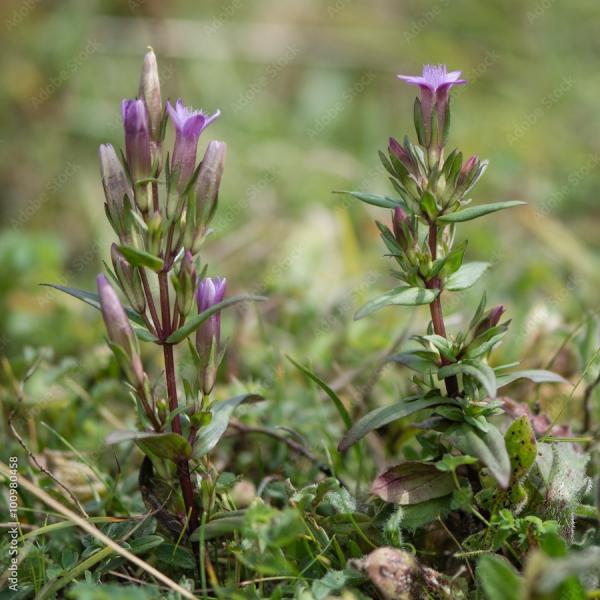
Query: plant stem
point(437, 316)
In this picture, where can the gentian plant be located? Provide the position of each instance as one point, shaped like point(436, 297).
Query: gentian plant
point(160, 204)
point(473, 455)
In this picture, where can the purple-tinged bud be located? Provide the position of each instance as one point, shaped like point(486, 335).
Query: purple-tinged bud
point(490, 320)
point(137, 139)
point(149, 91)
point(209, 181)
point(116, 187)
point(211, 291)
point(129, 278)
point(467, 171)
point(189, 124)
point(396, 148)
point(403, 228)
point(185, 284)
point(119, 331)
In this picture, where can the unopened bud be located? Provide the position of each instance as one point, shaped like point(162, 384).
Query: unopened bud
point(209, 181)
point(397, 150)
point(403, 228)
point(119, 331)
point(137, 138)
point(149, 91)
point(467, 171)
point(211, 291)
point(185, 284)
point(129, 278)
point(490, 320)
point(116, 188)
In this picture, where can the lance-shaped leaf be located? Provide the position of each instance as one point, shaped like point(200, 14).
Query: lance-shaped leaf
point(140, 258)
point(466, 276)
point(535, 375)
point(93, 299)
point(479, 370)
point(374, 199)
point(386, 414)
point(334, 397)
point(209, 435)
point(412, 482)
point(165, 445)
point(403, 296)
point(474, 212)
point(421, 361)
point(498, 578)
point(488, 447)
point(192, 324)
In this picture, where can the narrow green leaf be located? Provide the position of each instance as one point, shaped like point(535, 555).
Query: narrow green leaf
point(144, 335)
point(386, 414)
point(415, 362)
point(165, 445)
point(374, 199)
point(474, 212)
point(334, 397)
point(93, 300)
point(489, 448)
point(466, 276)
point(140, 258)
point(535, 375)
point(209, 435)
point(192, 324)
point(479, 370)
point(403, 296)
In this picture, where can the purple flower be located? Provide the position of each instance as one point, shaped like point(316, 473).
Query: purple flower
point(189, 124)
point(137, 138)
point(435, 83)
point(211, 291)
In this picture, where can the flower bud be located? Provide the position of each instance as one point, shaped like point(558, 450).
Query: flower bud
point(403, 228)
point(137, 139)
point(211, 291)
point(209, 181)
point(396, 149)
point(467, 171)
point(119, 331)
point(116, 188)
point(490, 320)
point(149, 91)
point(129, 278)
point(185, 283)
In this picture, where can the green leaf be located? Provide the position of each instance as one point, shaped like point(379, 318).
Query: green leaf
point(535, 375)
point(451, 462)
point(521, 447)
point(333, 581)
point(415, 361)
point(428, 205)
point(466, 276)
point(403, 296)
point(414, 516)
point(93, 300)
point(165, 445)
point(474, 212)
point(192, 324)
point(386, 414)
point(374, 199)
point(208, 436)
point(140, 258)
point(498, 578)
point(479, 370)
point(334, 397)
point(220, 527)
point(411, 483)
point(144, 335)
point(489, 448)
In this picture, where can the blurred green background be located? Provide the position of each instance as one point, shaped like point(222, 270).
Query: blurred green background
point(308, 94)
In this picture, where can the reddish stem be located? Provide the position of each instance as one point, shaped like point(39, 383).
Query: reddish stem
point(437, 316)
